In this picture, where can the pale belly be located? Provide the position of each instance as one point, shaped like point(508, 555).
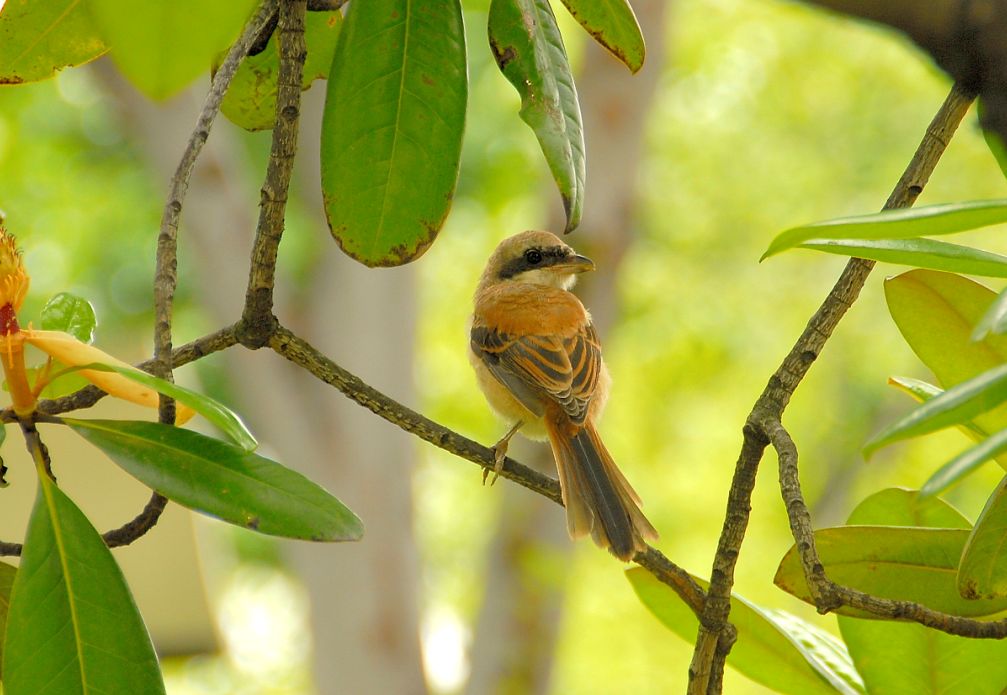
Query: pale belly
point(508, 408)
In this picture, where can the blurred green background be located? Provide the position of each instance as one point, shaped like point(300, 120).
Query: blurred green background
point(766, 115)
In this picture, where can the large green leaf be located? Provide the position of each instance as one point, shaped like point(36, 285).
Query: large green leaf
point(392, 128)
point(900, 507)
point(983, 568)
point(774, 648)
point(958, 405)
point(163, 45)
point(7, 575)
point(909, 564)
point(222, 480)
point(921, 253)
point(72, 625)
point(40, 37)
point(613, 24)
point(936, 313)
point(903, 223)
point(901, 658)
point(216, 412)
point(250, 101)
point(71, 314)
point(529, 51)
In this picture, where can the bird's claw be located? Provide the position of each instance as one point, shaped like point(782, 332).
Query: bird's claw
point(500, 454)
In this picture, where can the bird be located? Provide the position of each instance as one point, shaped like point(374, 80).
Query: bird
point(537, 359)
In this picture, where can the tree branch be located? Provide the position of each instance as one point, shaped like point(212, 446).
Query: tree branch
point(768, 409)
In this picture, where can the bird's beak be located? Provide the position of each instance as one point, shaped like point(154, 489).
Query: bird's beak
point(577, 264)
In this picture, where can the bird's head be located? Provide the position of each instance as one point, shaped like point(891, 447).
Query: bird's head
point(537, 258)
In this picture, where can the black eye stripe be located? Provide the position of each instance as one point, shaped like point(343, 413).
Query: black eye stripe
point(546, 256)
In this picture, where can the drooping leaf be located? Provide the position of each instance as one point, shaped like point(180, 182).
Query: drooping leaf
point(920, 253)
point(392, 127)
point(982, 572)
point(72, 626)
point(957, 405)
point(163, 45)
point(250, 101)
point(38, 38)
point(902, 563)
point(613, 24)
point(774, 648)
point(907, 659)
point(529, 51)
point(216, 412)
point(900, 507)
point(994, 320)
point(7, 574)
point(936, 313)
point(71, 314)
point(903, 223)
point(222, 480)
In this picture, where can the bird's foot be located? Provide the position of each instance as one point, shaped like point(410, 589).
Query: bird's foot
point(500, 453)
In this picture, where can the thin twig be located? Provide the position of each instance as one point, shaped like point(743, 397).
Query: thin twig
point(258, 322)
point(769, 407)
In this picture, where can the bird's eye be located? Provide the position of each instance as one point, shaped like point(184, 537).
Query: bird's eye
point(533, 256)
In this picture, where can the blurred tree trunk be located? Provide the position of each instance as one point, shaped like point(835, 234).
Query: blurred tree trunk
point(516, 630)
point(364, 603)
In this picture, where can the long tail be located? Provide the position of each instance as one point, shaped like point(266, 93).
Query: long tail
point(598, 498)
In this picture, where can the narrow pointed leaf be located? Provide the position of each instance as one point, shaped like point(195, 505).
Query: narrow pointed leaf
point(902, 563)
point(392, 127)
point(923, 391)
point(250, 101)
point(983, 569)
point(928, 661)
point(905, 223)
point(965, 463)
point(994, 320)
point(936, 313)
point(900, 507)
point(921, 253)
point(162, 46)
point(71, 314)
point(529, 50)
point(613, 24)
point(774, 648)
point(222, 480)
point(956, 406)
point(7, 575)
point(40, 37)
point(72, 625)
point(216, 412)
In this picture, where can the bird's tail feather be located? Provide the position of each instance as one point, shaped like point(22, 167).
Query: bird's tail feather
point(598, 498)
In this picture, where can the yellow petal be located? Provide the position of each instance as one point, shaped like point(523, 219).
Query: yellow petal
point(73, 353)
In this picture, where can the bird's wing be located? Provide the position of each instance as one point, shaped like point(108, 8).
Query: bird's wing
point(542, 368)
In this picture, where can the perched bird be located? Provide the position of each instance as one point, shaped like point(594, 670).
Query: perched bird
point(538, 361)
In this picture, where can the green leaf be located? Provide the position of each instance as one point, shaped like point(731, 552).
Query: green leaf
point(904, 223)
point(72, 625)
point(921, 253)
point(923, 391)
point(614, 26)
point(392, 127)
point(901, 563)
point(993, 139)
point(982, 572)
point(216, 412)
point(907, 659)
point(7, 575)
point(994, 320)
point(774, 648)
point(250, 101)
point(965, 463)
point(162, 46)
point(71, 314)
point(40, 37)
point(529, 51)
point(899, 507)
point(222, 480)
point(935, 313)
point(955, 406)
